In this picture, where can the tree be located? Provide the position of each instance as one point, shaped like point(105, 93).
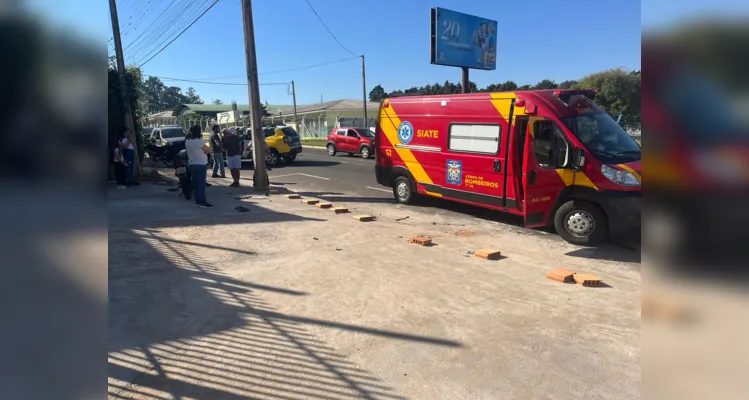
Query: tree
point(218, 102)
point(191, 97)
point(171, 97)
point(545, 84)
point(567, 84)
point(377, 94)
point(618, 91)
point(152, 91)
point(524, 87)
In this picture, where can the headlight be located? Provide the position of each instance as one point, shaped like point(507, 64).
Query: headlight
point(618, 176)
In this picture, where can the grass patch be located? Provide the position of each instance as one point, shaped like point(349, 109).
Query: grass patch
point(314, 142)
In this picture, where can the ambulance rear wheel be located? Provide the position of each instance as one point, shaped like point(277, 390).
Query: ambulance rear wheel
point(581, 223)
point(403, 190)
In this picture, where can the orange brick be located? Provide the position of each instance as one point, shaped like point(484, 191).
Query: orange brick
point(274, 191)
point(422, 240)
point(588, 280)
point(364, 218)
point(293, 196)
point(340, 210)
point(561, 275)
point(324, 206)
point(310, 201)
point(488, 254)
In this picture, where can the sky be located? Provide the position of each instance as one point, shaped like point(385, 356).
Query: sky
point(537, 39)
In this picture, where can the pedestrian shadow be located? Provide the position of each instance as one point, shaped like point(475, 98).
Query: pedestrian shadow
point(181, 328)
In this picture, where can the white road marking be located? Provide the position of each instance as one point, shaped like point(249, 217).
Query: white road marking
point(380, 189)
point(281, 176)
point(315, 176)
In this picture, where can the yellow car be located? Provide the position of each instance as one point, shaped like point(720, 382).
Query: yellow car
point(281, 142)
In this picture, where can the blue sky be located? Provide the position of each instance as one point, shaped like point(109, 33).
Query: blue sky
point(536, 40)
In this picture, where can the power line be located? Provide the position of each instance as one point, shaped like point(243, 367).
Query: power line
point(308, 66)
point(180, 34)
point(162, 27)
point(326, 28)
point(214, 83)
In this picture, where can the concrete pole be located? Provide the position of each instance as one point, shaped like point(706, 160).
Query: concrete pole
point(121, 72)
point(364, 91)
point(293, 97)
point(260, 176)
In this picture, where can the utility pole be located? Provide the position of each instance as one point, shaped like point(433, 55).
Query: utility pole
point(364, 91)
point(260, 176)
point(293, 97)
point(123, 84)
point(466, 81)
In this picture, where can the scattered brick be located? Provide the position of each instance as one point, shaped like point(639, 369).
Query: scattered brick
point(324, 206)
point(274, 191)
point(464, 233)
point(561, 275)
point(488, 254)
point(293, 196)
point(364, 218)
point(340, 210)
point(588, 280)
point(310, 201)
point(421, 240)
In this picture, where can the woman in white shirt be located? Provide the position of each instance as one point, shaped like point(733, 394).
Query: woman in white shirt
point(197, 151)
point(128, 153)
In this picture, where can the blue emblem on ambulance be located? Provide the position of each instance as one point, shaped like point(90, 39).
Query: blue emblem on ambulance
point(454, 172)
point(405, 132)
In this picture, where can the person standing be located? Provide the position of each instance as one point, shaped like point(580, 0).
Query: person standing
point(233, 145)
point(128, 153)
point(217, 147)
point(119, 167)
point(197, 158)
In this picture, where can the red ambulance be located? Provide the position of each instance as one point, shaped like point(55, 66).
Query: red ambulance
point(552, 156)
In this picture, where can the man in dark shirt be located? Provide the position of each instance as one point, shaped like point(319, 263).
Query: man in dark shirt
point(233, 145)
point(218, 151)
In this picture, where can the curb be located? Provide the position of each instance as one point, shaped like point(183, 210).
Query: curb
point(315, 147)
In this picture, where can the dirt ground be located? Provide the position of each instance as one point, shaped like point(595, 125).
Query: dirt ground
point(289, 301)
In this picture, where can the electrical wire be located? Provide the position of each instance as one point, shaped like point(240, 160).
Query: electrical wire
point(150, 26)
point(327, 29)
point(180, 34)
point(159, 28)
point(214, 83)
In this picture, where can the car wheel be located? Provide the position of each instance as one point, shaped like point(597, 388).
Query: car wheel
point(581, 223)
point(365, 152)
point(404, 190)
point(272, 157)
point(291, 157)
point(331, 149)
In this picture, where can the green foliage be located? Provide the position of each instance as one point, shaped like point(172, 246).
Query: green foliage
point(545, 84)
point(218, 102)
point(618, 91)
point(116, 121)
point(377, 94)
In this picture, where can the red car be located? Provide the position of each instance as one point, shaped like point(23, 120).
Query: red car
point(351, 141)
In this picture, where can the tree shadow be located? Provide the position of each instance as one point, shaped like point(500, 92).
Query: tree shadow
point(181, 328)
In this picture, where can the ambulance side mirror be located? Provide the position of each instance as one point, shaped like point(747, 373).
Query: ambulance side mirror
point(578, 159)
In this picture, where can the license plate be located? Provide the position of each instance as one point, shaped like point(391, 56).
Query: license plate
point(180, 170)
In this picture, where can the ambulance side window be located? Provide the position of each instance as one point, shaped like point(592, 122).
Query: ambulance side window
point(474, 138)
point(551, 150)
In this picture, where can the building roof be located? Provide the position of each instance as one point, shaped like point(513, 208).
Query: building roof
point(183, 109)
point(332, 106)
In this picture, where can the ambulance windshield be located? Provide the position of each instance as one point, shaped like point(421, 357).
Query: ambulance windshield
point(603, 137)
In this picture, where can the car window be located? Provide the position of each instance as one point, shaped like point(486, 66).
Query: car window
point(268, 132)
point(352, 133)
point(341, 132)
point(548, 138)
point(290, 132)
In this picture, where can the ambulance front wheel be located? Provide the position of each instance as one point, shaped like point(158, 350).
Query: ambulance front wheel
point(403, 190)
point(582, 223)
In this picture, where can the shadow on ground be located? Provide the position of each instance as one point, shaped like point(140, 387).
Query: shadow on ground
point(180, 328)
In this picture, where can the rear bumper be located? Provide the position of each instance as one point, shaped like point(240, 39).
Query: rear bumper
point(296, 150)
point(384, 175)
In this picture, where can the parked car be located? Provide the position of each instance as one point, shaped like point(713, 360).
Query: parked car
point(283, 144)
point(352, 141)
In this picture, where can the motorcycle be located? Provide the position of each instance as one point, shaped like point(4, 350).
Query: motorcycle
point(183, 174)
point(166, 154)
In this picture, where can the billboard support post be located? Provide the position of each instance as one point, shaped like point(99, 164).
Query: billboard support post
point(466, 83)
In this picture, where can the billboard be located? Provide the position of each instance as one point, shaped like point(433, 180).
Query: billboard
point(462, 40)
